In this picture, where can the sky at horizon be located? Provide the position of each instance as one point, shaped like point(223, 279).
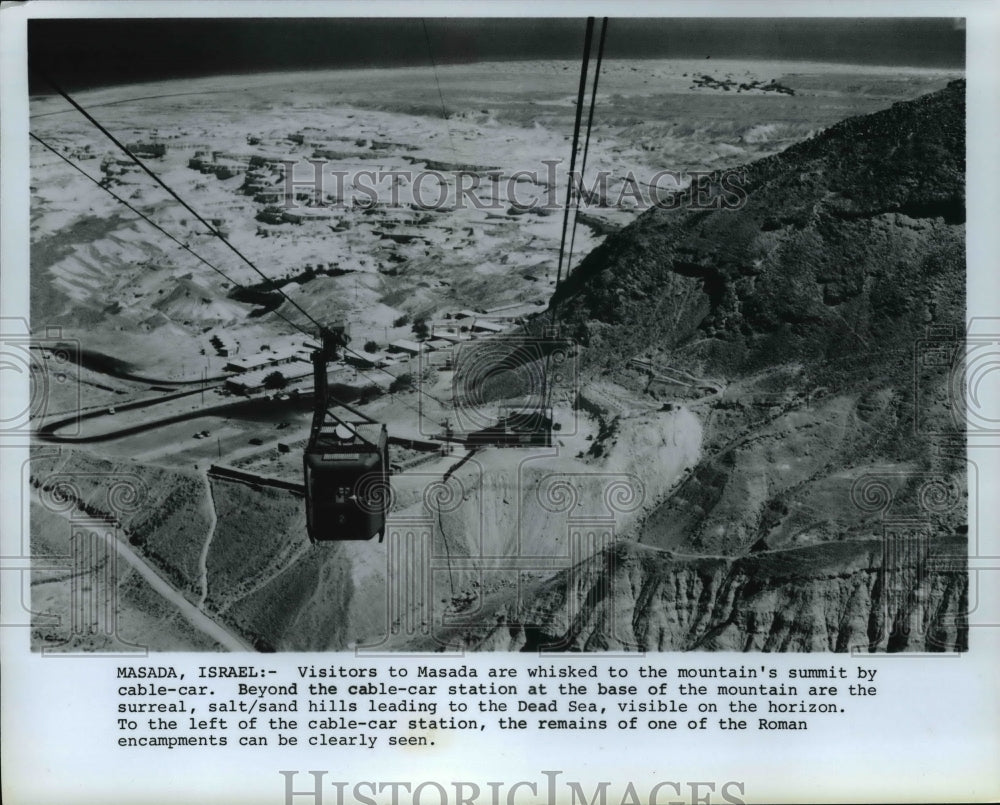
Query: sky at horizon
point(84, 54)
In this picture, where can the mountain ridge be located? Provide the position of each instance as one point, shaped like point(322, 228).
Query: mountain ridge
point(794, 259)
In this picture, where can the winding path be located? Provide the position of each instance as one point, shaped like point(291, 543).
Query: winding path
point(203, 558)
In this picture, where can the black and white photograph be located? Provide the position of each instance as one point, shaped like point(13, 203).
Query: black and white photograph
point(498, 334)
point(499, 405)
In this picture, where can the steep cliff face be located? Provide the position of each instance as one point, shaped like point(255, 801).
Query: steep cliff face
point(834, 597)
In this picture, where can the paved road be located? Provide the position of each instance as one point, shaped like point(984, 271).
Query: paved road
point(198, 619)
point(50, 431)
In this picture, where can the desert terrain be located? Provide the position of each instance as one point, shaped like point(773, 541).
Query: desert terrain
point(728, 381)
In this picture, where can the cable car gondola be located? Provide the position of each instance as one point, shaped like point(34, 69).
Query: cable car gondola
point(346, 463)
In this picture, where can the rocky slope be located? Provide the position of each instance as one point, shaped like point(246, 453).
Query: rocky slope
point(833, 597)
point(808, 302)
point(850, 237)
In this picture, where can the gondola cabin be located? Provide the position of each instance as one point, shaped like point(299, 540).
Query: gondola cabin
point(346, 481)
point(345, 464)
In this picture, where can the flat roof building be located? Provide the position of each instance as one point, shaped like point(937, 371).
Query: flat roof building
point(449, 334)
point(249, 382)
point(481, 326)
point(405, 345)
point(261, 360)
